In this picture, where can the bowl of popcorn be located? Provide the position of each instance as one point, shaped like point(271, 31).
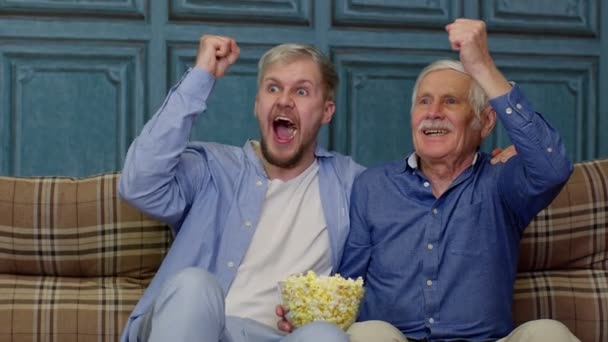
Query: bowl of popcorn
point(309, 298)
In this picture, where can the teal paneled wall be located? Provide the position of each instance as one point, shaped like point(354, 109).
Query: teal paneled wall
point(79, 79)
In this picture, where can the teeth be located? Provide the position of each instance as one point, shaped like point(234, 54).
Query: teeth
point(282, 118)
point(435, 132)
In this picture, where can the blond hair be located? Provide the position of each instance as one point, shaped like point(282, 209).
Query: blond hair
point(286, 53)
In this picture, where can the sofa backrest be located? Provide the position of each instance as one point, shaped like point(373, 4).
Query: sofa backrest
point(76, 227)
point(572, 232)
point(563, 261)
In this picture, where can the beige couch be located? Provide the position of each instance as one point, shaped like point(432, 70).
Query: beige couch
point(74, 259)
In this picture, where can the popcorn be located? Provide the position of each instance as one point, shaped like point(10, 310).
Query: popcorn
point(321, 298)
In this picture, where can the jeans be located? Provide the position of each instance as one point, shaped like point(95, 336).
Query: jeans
point(190, 307)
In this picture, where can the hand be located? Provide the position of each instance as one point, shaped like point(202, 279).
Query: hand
point(216, 54)
point(470, 38)
point(501, 156)
point(283, 324)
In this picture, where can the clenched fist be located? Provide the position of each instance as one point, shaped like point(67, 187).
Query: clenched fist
point(470, 39)
point(216, 54)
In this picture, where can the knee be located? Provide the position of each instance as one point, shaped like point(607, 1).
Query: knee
point(375, 331)
point(547, 330)
point(321, 331)
point(194, 281)
point(192, 287)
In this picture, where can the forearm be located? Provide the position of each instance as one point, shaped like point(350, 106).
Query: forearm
point(151, 164)
point(491, 80)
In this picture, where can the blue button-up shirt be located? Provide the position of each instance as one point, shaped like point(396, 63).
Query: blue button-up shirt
point(210, 193)
point(444, 268)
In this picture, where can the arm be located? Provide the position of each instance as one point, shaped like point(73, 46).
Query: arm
point(530, 182)
point(159, 178)
point(358, 246)
point(533, 179)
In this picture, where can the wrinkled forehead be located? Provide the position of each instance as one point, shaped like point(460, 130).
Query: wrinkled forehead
point(445, 81)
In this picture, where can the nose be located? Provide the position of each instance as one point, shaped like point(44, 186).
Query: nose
point(435, 111)
point(284, 99)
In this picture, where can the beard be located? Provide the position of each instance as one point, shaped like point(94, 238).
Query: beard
point(285, 163)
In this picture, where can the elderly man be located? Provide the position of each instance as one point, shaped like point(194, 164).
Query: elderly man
point(436, 235)
point(243, 218)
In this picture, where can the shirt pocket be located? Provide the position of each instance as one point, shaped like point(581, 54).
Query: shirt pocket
point(470, 230)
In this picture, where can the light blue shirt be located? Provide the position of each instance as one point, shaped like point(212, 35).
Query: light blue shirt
point(443, 268)
point(211, 194)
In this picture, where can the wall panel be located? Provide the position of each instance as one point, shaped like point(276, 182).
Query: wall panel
point(373, 121)
point(71, 112)
point(78, 79)
point(543, 16)
point(396, 14)
point(293, 12)
point(99, 8)
point(564, 91)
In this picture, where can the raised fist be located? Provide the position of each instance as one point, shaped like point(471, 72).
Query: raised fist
point(216, 54)
point(469, 38)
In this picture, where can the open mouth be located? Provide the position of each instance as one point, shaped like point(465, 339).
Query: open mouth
point(284, 129)
point(434, 132)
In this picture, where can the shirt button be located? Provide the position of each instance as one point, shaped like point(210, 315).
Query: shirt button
point(509, 110)
point(519, 106)
point(429, 246)
point(549, 149)
point(426, 184)
point(431, 320)
point(247, 223)
point(429, 282)
point(230, 264)
point(258, 183)
point(435, 211)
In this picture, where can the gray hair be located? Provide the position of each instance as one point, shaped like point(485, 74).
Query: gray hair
point(478, 99)
point(286, 53)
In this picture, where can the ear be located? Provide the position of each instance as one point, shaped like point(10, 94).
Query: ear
point(328, 111)
point(488, 121)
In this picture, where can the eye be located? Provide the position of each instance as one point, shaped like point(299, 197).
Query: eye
point(424, 100)
point(302, 92)
point(450, 100)
point(273, 88)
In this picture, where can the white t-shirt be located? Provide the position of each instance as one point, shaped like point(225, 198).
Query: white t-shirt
point(291, 237)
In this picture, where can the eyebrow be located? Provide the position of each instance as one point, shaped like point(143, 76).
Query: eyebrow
point(298, 82)
point(427, 94)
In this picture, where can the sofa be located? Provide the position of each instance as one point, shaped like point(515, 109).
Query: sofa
point(74, 258)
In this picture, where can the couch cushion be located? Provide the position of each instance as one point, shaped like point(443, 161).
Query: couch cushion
point(563, 262)
point(59, 226)
point(577, 298)
point(43, 308)
point(572, 233)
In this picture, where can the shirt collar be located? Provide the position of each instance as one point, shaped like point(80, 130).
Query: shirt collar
point(412, 162)
point(320, 152)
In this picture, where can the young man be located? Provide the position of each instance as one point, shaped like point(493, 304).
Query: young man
point(436, 236)
point(244, 218)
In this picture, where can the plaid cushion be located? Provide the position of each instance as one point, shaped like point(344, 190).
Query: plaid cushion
point(74, 258)
point(60, 309)
point(75, 227)
point(563, 264)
